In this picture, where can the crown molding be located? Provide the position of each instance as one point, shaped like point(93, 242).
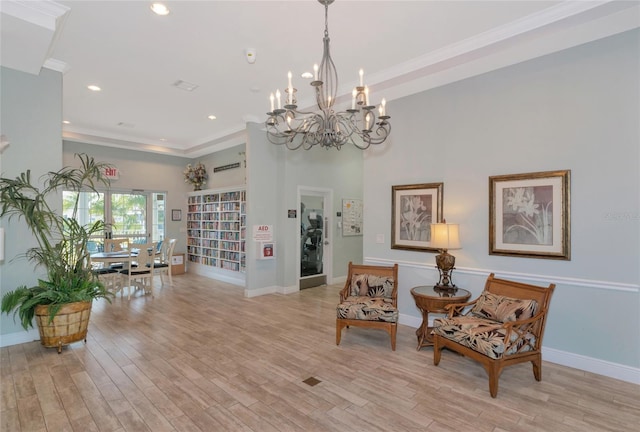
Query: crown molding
point(45, 14)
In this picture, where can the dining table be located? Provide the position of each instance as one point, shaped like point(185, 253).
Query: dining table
point(107, 258)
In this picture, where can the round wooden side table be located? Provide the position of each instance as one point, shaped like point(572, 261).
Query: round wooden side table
point(430, 299)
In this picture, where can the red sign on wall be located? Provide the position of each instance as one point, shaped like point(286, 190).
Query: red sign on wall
point(112, 173)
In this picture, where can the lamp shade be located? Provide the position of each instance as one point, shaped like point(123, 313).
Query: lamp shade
point(445, 236)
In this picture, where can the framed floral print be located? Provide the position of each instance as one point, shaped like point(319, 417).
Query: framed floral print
point(529, 215)
point(413, 209)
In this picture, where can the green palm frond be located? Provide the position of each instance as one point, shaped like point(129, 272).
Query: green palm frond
point(61, 241)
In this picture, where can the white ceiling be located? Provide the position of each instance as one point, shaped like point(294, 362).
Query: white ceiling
point(135, 56)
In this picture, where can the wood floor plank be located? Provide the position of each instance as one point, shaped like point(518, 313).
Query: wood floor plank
point(58, 421)
point(202, 357)
point(31, 417)
point(10, 419)
point(229, 421)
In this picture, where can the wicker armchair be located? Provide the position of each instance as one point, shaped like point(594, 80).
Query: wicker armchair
point(502, 327)
point(369, 299)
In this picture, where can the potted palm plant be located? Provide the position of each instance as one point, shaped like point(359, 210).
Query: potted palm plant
point(61, 302)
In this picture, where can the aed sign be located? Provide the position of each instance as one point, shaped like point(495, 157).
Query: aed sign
point(263, 233)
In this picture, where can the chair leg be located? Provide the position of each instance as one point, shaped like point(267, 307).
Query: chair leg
point(493, 370)
point(537, 367)
point(339, 327)
point(437, 350)
point(129, 286)
point(393, 337)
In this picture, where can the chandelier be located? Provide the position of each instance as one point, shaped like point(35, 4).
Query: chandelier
point(359, 125)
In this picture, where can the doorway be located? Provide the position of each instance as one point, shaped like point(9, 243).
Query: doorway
point(315, 242)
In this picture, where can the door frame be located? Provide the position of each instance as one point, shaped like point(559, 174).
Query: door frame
point(328, 227)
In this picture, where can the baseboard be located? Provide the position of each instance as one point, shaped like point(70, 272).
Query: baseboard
point(339, 280)
point(19, 337)
point(589, 364)
point(564, 358)
point(288, 290)
point(260, 291)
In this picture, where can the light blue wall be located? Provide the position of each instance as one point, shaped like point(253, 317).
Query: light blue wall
point(31, 119)
point(227, 178)
point(577, 109)
point(146, 171)
point(273, 177)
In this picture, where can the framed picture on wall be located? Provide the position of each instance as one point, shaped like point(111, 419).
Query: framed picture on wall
point(529, 215)
point(413, 209)
point(176, 215)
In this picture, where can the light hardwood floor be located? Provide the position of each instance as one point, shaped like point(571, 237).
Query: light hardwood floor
point(202, 357)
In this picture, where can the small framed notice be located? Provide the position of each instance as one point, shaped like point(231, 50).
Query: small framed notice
point(351, 217)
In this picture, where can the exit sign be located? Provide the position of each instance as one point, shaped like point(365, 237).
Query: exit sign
point(112, 173)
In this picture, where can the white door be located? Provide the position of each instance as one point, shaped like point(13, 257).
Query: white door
point(315, 243)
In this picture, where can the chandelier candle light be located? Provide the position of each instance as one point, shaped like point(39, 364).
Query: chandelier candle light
point(327, 128)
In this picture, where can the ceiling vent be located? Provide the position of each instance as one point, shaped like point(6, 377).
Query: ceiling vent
point(185, 85)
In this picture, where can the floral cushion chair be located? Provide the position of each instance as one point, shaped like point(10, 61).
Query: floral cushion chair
point(503, 326)
point(369, 299)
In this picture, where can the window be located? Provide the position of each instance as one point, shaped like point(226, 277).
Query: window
point(134, 215)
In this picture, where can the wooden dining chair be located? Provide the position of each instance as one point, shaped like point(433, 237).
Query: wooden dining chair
point(109, 277)
point(162, 264)
point(116, 245)
point(140, 272)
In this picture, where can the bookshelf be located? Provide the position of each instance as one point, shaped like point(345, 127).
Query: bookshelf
point(216, 234)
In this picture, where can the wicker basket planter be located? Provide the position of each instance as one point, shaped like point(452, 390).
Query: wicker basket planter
point(69, 325)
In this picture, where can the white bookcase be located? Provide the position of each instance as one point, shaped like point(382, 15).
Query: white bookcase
point(216, 234)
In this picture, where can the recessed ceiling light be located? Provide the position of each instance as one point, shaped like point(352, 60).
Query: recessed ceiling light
point(163, 139)
point(160, 9)
point(306, 75)
point(94, 88)
point(66, 122)
point(211, 117)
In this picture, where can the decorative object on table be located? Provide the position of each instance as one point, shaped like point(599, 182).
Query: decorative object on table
point(529, 215)
point(502, 327)
point(445, 236)
point(61, 302)
point(413, 209)
point(327, 128)
point(196, 175)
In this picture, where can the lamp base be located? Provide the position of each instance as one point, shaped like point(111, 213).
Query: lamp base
point(445, 263)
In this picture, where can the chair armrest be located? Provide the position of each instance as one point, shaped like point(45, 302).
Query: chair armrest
point(344, 292)
point(523, 328)
point(456, 309)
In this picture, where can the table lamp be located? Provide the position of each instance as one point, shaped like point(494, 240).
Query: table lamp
point(445, 236)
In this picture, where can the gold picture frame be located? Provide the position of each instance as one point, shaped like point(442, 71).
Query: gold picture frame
point(413, 209)
point(529, 215)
